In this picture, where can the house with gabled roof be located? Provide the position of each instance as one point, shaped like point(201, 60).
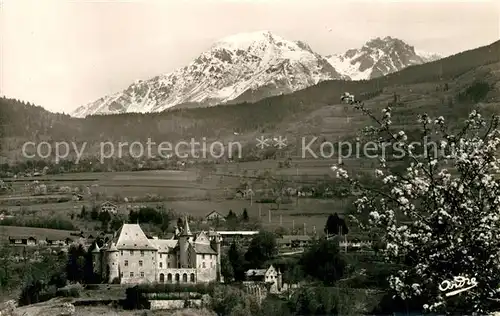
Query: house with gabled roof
point(214, 215)
point(108, 207)
point(271, 276)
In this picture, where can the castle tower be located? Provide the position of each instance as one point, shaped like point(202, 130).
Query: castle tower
point(112, 263)
point(185, 239)
point(96, 260)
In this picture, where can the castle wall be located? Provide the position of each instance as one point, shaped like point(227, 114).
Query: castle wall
point(177, 276)
point(167, 260)
point(206, 264)
point(137, 266)
point(173, 304)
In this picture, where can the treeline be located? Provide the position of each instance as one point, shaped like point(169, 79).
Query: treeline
point(60, 276)
point(159, 217)
point(51, 223)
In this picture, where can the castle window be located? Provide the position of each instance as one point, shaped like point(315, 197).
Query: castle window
point(203, 264)
point(168, 264)
point(126, 263)
point(142, 253)
point(121, 252)
point(211, 264)
point(203, 257)
point(142, 274)
point(131, 252)
point(161, 264)
point(140, 263)
point(131, 274)
point(160, 255)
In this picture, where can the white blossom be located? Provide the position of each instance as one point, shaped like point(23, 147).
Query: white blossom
point(454, 215)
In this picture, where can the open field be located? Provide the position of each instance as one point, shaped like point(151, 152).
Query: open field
point(6, 231)
point(184, 192)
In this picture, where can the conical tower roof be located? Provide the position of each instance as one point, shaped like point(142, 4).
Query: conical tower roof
point(96, 249)
point(186, 231)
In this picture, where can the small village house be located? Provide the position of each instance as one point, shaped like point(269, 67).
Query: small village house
point(214, 215)
point(108, 207)
point(49, 239)
point(271, 276)
point(22, 240)
point(294, 241)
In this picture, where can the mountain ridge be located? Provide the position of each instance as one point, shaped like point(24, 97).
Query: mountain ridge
point(244, 67)
point(232, 66)
point(379, 57)
point(420, 87)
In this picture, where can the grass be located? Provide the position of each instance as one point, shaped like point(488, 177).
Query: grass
point(182, 192)
point(6, 231)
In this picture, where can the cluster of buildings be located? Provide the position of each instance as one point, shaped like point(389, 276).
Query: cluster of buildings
point(38, 240)
point(131, 257)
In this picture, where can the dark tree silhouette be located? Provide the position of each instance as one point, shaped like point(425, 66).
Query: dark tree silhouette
point(180, 223)
point(237, 262)
point(336, 225)
point(244, 216)
point(263, 247)
point(323, 261)
point(231, 215)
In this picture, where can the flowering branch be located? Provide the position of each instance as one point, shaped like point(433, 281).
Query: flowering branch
point(450, 201)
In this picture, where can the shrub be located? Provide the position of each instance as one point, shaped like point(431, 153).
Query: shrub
point(476, 92)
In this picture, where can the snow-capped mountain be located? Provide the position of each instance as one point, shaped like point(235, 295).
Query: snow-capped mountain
point(379, 57)
point(245, 66)
point(427, 57)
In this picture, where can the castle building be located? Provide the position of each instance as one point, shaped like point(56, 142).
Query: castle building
point(130, 257)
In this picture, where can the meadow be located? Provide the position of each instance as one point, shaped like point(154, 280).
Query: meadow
point(188, 192)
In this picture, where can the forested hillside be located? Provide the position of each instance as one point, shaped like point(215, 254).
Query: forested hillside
point(449, 86)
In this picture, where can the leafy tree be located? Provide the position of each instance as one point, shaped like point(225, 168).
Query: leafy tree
point(180, 223)
point(229, 300)
point(94, 214)
point(336, 225)
point(441, 217)
point(237, 261)
point(231, 216)
point(165, 221)
point(159, 217)
point(83, 213)
point(263, 247)
point(244, 216)
point(227, 269)
point(323, 261)
point(75, 268)
point(104, 218)
point(116, 222)
point(6, 268)
point(281, 231)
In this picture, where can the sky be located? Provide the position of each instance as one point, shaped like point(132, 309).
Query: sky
point(61, 54)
